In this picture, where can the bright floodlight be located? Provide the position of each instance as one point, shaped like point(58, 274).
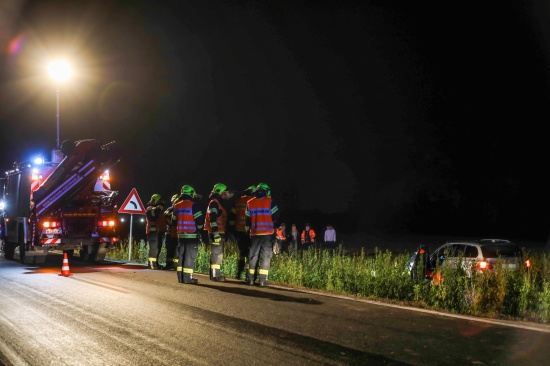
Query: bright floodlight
point(60, 70)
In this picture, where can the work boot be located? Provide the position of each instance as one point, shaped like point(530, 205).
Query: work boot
point(170, 266)
point(250, 279)
point(192, 281)
point(153, 265)
point(180, 277)
point(215, 275)
point(263, 280)
point(240, 268)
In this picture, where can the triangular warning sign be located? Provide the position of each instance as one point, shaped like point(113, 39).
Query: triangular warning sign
point(133, 204)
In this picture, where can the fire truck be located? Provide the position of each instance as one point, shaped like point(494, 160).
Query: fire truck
point(63, 204)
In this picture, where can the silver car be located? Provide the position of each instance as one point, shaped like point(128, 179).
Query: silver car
point(481, 255)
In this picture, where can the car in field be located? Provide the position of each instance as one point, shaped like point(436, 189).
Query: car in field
point(482, 255)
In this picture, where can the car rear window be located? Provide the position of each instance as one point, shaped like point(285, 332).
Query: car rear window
point(493, 251)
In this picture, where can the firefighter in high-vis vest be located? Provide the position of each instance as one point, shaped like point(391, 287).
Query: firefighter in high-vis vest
point(155, 229)
point(171, 238)
point(190, 220)
point(215, 223)
point(239, 227)
point(262, 215)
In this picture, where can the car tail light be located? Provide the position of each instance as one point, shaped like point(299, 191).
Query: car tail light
point(483, 266)
point(50, 224)
point(106, 223)
point(527, 264)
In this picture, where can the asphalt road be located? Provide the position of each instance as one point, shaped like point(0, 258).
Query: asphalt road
point(125, 314)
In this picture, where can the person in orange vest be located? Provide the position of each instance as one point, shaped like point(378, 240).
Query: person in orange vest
point(238, 222)
point(155, 229)
point(280, 239)
point(189, 220)
point(215, 223)
point(261, 215)
point(308, 237)
point(171, 237)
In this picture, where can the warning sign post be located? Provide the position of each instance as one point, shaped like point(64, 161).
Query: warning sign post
point(132, 205)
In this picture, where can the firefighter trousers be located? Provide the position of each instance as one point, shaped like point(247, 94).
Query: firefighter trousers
point(243, 243)
point(187, 252)
point(171, 246)
point(154, 239)
point(261, 251)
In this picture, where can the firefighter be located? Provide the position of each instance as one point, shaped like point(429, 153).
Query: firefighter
point(239, 225)
point(171, 238)
point(215, 223)
point(155, 229)
point(261, 216)
point(189, 220)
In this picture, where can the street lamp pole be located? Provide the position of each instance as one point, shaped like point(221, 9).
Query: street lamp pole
point(57, 117)
point(60, 71)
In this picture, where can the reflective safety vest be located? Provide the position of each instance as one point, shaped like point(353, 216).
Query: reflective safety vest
point(221, 219)
point(280, 234)
point(240, 213)
point(155, 220)
point(308, 234)
point(261, 220)
point(183, 210)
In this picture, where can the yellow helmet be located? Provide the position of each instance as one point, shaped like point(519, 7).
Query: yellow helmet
point(156, 198)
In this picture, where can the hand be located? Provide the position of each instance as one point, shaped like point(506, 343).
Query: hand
point(217, 239)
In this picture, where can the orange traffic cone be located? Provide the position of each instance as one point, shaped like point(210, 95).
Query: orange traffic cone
point(65, 271)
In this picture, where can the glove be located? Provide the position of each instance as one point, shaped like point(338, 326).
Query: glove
point(217, 239)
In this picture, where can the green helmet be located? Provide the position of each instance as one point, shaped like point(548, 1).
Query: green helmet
point(219, 188)
point(263, 187)
point(155, 198)
point(188, 190)
point(174, 198)
point(250, 190)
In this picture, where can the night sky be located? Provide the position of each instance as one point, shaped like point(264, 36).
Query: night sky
point(384, 116)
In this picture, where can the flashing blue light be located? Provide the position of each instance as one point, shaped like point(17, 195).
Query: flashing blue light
point(39, 161)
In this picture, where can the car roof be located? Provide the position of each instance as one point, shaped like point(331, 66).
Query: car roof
point(482, 242)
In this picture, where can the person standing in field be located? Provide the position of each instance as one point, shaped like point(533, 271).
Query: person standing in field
point(239, 225)
point(155, 229)
point(171, 237)
point(215, 223)
point(280, 239)
point(308, 237)
point(293, 238)
point(189, 221)
point(261, 216)
point(330, 237)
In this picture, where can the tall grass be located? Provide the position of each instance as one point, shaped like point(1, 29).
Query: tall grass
point(381, 275)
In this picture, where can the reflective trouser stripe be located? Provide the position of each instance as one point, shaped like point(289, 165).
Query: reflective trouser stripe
point(264, 271)
point(251, 271)
point(188, 270)
point(152, 259)
point(215, 266)
point(179, 268)
point(189, 236)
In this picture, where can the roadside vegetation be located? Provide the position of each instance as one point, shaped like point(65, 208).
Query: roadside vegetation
point(382, 276)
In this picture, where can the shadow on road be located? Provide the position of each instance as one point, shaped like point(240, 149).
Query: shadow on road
point(241, 288)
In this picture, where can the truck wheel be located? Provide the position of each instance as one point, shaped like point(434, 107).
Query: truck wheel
point(88, 253)
point(70, 253)
point(25, 259)
point(9, 249)
point(84, 255)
